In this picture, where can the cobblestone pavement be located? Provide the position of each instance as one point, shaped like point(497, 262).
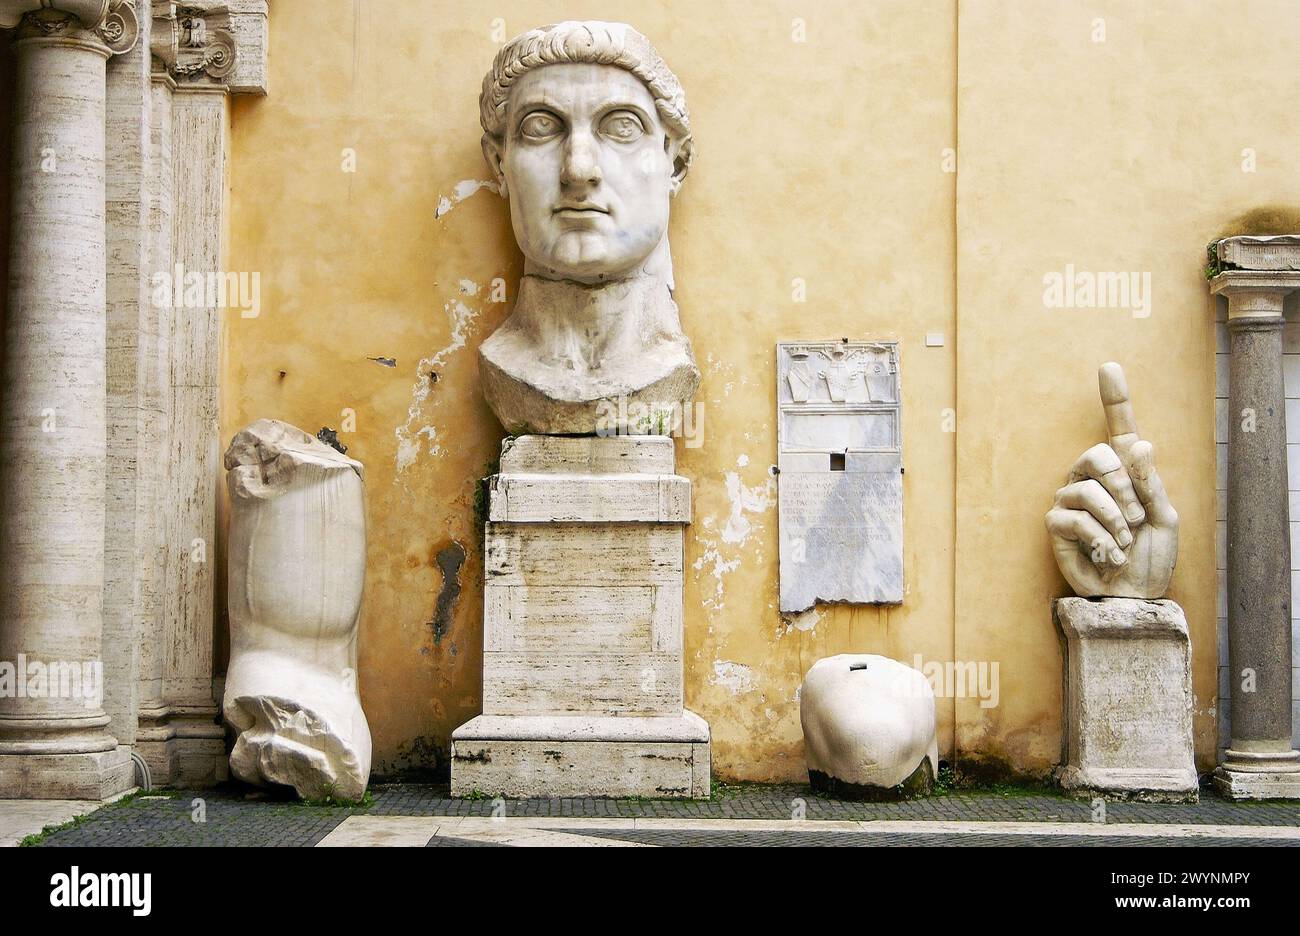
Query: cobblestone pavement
point(227, 817)
point(710, 837)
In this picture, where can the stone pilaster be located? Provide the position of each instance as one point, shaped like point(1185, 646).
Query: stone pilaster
point(1260, 761)
point(198, 50)
point(131, 483)
point(153, 733)
point(199, 118)
point(54, 741)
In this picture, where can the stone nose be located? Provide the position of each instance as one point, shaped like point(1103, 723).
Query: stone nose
point(581, 169)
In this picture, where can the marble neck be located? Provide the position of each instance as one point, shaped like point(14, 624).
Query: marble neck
point(588, 326)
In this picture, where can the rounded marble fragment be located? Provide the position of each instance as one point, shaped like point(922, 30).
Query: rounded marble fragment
point(868, 726)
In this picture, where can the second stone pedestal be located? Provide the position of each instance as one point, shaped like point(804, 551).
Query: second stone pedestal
point(1127, 721)
point(582, 628)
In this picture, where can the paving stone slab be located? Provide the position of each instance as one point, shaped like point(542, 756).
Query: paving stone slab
point(233, 820)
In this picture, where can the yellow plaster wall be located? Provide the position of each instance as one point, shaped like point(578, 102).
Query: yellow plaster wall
point(1117, 155)
point(823, 161)
point(818, 160)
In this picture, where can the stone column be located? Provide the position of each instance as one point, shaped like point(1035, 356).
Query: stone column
point(53, 737)
point(1259, 762)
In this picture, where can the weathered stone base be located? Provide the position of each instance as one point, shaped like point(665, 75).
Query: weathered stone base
point(199, 762)
point(1119, 783)
point(97, 776)
point(1241, 785)
point(582, 626)
point(187, 763)
point(579, 755)
point(919, 784)
point(1127, 719)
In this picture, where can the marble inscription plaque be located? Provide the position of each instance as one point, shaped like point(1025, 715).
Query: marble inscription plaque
point(840, 487)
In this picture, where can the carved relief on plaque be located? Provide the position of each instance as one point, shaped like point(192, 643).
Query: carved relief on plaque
point(840, 488)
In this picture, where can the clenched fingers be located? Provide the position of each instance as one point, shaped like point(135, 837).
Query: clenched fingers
point(1102, 465)
point(1079, 526)
point(1089, 495)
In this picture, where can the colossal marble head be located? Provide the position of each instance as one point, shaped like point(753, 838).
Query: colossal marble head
point(586, 130)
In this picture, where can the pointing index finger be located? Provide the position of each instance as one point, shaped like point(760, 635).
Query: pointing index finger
point(1121, 425)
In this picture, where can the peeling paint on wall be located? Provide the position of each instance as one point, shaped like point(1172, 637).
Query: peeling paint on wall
point(719, 548)
point(722, 373)
point(745, 499)
point(720, 567)
point(805, 621)
point(736, 678)
point(463, 190)
point(409, 438)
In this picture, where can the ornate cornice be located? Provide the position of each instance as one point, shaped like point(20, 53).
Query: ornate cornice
point(112, 23)
point(192, 43)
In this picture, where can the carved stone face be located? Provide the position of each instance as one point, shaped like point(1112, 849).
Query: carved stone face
point(588, 168)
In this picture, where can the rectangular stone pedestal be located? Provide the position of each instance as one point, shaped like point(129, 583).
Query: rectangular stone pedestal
point(582, 630)
point(97, 776)
point(1127, 717)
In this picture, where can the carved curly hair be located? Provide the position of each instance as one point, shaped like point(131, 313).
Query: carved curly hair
point(588, 43)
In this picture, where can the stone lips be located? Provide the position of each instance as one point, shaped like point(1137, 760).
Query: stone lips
point(296, 576)
point(868, 723)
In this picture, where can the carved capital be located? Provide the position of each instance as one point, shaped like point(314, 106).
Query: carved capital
point(112, 23)
point(192, 43)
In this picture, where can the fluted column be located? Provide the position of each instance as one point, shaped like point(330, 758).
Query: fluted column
point(1259, 762)
point(53, 737)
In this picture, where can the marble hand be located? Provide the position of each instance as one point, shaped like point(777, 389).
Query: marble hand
point(1113, 530)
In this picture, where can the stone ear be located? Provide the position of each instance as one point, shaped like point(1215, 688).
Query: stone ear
point(680, 163)
point(494, 157)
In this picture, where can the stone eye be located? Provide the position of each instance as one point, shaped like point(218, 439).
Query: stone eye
point(539, 125)
point(622, 126)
